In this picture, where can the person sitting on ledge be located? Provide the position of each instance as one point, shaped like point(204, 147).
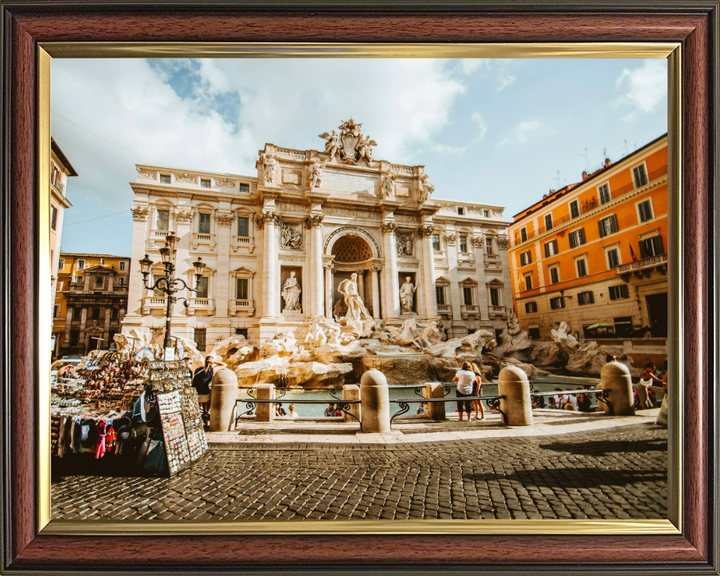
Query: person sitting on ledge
point(330, 410)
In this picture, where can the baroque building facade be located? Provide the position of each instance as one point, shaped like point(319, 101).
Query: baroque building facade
point(90, 302)
point(277, 245)
point(595, 252)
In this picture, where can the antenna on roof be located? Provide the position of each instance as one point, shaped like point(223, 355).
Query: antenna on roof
point(626, 148)
point(558, 178)
point(587, 164)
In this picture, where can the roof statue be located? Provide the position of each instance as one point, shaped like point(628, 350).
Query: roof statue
point(351, 146)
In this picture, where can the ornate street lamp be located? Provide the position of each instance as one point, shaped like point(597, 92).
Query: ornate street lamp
point(169, 284)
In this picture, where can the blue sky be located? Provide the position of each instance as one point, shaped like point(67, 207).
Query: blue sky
point(497, 131)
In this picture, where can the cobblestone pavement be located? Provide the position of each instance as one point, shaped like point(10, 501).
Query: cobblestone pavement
point(608, 474)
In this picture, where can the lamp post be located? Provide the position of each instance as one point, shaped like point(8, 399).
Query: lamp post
point(169, 284)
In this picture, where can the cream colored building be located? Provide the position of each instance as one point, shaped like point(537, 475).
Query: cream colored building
point(316, 217)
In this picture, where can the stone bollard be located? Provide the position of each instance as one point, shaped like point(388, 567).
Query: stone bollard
point(434, 410)
point(223, 398)
point(375, 398)
point(352, 392)
point(517, 404)
point(265, 412)
point(616, 382)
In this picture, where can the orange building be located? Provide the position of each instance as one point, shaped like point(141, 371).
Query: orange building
point(595, 252)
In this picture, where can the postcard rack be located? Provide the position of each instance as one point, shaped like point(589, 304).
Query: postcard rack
point(180, 414)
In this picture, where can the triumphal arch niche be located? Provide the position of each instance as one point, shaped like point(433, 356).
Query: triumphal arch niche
point(279, 244)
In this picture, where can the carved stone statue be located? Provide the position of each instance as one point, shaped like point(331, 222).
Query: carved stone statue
point(316, 175)
point(269, 165)
point(407, 296)
point(426, 188)
point(364, 147)
point(291, 238)
point(388, 185)
point(357, 315)
point(332, 144)
point(404, 245)
point(291, 294)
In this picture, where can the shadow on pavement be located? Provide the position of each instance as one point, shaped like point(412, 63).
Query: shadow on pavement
point(602, 447)
point(573, 477)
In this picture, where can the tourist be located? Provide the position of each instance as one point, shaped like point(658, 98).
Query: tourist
point(466, 380)
point(662, 416)
point(564, 401)
point(202, 381)
point(477, 404)
point(279, 410)
point(584, 400)
point(646, 380)
point(291, 409)
point(330, 411)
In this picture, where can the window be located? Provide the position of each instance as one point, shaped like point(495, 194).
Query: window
point(581, 266)
point(608, 226)
point(530, 307)
point(61, 264)
point(241, 288)
point(204, 223)
point(53, 217)
point(489, 246)
point(467, 296)
point(98, 282)
point(243, 226)
point(440, 295)
point(526, 258)
point(486, 214)
point(56, 314)
point(200, 338)
point(613, 258)
point(651, 247)
point(122, 266)
point(528, 281)
point(557, 302)
point(534, 332)
point(523, 234)
point(645, 211)
point(202, 288)
point(204, 183)
point(79, 279)
point(242, 332)
point(554, 274)
point(121, 281)
point(495, 296)
point(551, 248)
point(165, 178)
point(244, 187)
point(59, 286)
point(96, 313)
point(436, 242)
point(574, 209)
point(461, 211)
point(604, 194)
point(619, 292)
point(114, 314)
point(640, 175)
point(163, 219)
point(585, 298)
point(548, 222)
point(577, 237)
point(463, 244)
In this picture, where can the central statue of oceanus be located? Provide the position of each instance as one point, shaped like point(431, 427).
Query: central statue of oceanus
point(357, 316)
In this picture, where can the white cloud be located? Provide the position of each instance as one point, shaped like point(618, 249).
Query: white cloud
point(524, 132)
point(645, 87)
point(504, 82)
point(445, 149)
point(482, 126)
point(470, 65)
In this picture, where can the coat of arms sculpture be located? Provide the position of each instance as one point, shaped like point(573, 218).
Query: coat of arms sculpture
point(351, 146)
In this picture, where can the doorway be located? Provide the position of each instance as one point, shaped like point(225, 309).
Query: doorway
point(657, 313)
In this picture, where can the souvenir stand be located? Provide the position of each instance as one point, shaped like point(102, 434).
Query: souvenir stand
point(180, 414)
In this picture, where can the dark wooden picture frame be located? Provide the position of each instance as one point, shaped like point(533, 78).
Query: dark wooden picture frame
point(25, 25)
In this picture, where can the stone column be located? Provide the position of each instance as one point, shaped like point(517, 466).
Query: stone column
point(517, 406)
point(376, 293)
point(457, 325)
point(265, 412)
point(271, 276)
point(361, 284)
point(83, 322)
point(223, 399)
point(483, 297)
point(314, 223)
point(391, 309)
point(352, 392)
point(68, 325)
point(507, 279)
point(183, 230)
point(329, 290)
point(434, 410)
point(428, 268)
point(138, 250)
point(222, 278)
point(375, 398)
point(617, 388)
point(106, 327)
